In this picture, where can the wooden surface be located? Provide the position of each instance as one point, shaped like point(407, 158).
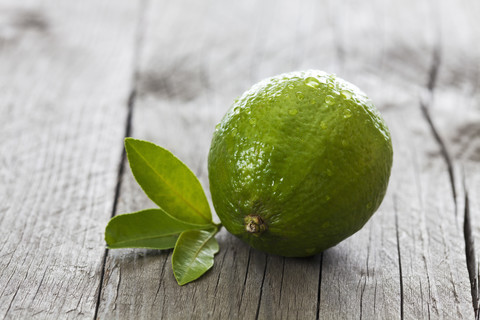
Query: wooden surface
point(76, 77)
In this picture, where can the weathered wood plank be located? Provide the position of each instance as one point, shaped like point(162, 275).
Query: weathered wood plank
point(408, 261)
point(182, 93)
point(361, 276)
point(64, 79)
point(455, 116)
point(419, 206)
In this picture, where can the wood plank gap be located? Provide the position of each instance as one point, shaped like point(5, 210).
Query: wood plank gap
point(245, 278)
point(160, 283)
point(281, 281)
point(261, 288)
point(399, 256)
point(470, 253)
point(433, 73)
point(118, 186)
point(425, 105)
point(319, 286)
point(138, 42)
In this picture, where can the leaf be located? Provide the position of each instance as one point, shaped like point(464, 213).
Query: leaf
point(152, 228)
point(168, 182)
point(193, 254)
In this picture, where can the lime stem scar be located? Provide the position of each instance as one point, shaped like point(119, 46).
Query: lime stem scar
point(254, 224)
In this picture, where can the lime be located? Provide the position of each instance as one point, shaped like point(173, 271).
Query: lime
point(300, 162)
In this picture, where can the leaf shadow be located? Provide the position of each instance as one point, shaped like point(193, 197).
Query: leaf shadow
point(128, 255)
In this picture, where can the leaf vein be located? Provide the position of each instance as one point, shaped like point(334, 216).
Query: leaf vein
point(198, 251)
point(146, 238)
point(169, 185)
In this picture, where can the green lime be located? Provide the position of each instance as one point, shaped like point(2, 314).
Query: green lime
point(300, 162)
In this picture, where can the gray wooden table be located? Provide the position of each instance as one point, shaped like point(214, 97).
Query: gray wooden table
point(76, 77)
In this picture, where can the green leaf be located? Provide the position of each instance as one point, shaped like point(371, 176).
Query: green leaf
point(193, 254)
point(152, 228)
point(168, 182)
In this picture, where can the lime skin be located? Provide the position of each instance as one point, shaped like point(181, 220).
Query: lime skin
point(300, 162)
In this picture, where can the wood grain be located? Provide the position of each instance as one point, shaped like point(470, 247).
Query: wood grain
point(65, 76)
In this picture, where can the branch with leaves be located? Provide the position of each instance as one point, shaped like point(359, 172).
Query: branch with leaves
point(183, 220)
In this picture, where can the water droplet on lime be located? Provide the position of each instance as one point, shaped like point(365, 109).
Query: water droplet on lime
point(347, 113)
point(329, 99)
point(300, 96)
point(346, 94)
point(252, 121)
point(291, 86)
point(312, 82)
point(293, 112)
